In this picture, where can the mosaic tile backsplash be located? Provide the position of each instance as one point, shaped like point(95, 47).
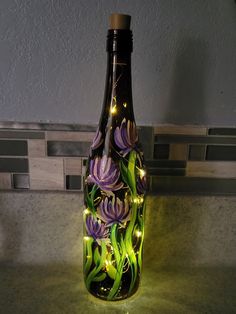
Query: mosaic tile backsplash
point(179, 159)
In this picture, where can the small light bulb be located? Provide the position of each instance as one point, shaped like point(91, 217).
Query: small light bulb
point(86, 211)
point(138, 233)
point(125, 104)
point(142, 173)
point(135, 200)
point(86, 238)
point(113, 110)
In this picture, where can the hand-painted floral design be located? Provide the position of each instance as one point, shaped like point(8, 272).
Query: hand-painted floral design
point(114, 219)
point(96, 228)
point(126, 136)
point(113, 210)
point(97, 141)
point(105, 173)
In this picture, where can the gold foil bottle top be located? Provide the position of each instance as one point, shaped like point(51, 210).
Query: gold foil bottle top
point(119, 21)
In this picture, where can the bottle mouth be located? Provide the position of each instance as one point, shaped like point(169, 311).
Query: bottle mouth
point(119, 40)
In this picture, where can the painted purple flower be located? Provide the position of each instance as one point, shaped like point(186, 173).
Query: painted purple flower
point(105, 173)
point(126, 136)
point(96, 229)
point(114, 211)
point(97, 141)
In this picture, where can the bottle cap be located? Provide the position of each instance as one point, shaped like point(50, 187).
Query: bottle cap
point(120, 21)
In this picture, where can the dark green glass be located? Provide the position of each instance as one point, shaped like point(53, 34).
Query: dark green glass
point(115, 185)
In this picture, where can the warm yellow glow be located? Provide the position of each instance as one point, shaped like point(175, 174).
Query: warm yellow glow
point(86, 238)
point(138, 233)
point(108, 265)
point(138, 200)
point(113, 110)
point(86, 211)
point(125, 104)
point(142, 173)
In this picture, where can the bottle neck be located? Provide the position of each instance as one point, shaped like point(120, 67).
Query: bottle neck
point(118, 92)
point(118, 103)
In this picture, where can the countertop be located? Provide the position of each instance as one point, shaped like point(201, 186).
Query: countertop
point(189, 256)
point(60, 290)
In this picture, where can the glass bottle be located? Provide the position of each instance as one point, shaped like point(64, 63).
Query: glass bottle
point(115, 181)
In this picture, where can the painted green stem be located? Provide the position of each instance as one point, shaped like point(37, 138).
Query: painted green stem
point(141, 221)
point(90, 199)
point(97, 269)
point(88, 255)
point(130, 229)
point(119, 273)
point(114, 243)
point(129, 246)
point(119, 266)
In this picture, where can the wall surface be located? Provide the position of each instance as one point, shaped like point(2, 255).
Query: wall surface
point(53, 60)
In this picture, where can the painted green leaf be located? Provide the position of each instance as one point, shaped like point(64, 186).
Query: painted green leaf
point(131, 171)
point(100, 277)
point(97, 256)
point(90, 199)
point(128, 173)
point(123, 170)
point(111, 270)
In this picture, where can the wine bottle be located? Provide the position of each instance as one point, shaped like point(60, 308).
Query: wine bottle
point(115, 181)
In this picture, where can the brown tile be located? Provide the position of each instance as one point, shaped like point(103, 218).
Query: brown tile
point(178, 152)
point(72, 166)
point(211, 169)
point(36, 148)
point(46, 173)
point(70, 136)
point(180, 129)
point(5, 181)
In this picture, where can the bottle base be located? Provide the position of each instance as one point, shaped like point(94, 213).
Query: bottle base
point(101, 298)
point(101, 291)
